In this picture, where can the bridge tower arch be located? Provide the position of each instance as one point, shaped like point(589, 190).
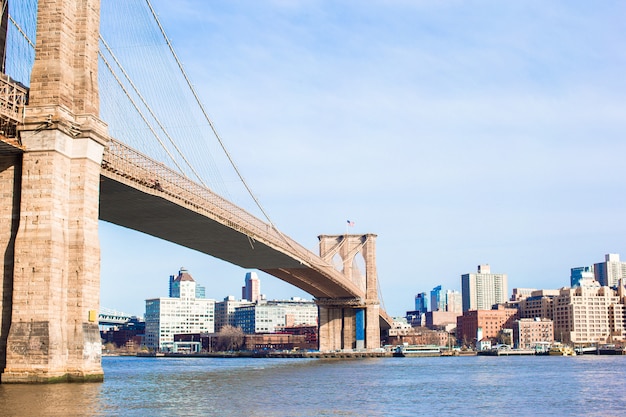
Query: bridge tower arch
point(350, 323)
point(55, 275)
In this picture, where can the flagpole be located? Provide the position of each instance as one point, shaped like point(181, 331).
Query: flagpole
point(348, 225)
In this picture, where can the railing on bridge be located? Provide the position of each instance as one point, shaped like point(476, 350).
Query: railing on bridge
point(13, 98)
point(138, 168)
point(112, 317)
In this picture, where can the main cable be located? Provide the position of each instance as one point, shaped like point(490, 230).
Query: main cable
point(207, 118)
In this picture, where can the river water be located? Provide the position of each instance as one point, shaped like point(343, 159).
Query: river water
point(446, 386)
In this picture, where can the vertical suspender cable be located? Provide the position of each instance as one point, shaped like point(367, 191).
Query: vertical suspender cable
point(147, 106)
point(206, 116)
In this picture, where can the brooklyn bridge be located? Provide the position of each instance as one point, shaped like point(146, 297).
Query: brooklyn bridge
point(62, 169)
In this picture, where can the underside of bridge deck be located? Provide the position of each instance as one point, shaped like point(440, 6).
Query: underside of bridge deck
point(153, 212)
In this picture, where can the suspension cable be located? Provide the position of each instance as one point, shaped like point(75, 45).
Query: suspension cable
point(206, 116)
point(19, 29)
point(156, 119)
point(139, 110)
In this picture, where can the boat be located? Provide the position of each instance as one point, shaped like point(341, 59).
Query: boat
point(561, 350)
point(586, 350)
point(417, 350)
point(611, 350)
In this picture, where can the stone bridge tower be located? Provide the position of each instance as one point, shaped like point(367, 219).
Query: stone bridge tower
point(351, 323)
point(52, 256)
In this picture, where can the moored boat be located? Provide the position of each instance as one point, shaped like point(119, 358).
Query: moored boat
point(561, 350)
point(586, 350)
point(611, 350)
point(417, 350)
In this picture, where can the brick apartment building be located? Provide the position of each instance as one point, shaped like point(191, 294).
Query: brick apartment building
point(529, 333)
point(490, 321)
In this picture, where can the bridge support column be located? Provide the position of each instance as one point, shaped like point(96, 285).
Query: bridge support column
point(349, 329)
point(360, 319)
point(337, 328)
point(346, 326)
point(330, 328)
point(54, 333)
point(372, 326)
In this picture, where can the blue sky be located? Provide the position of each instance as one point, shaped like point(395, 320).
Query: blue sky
point(459, 132)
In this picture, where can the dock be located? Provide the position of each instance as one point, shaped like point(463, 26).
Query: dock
point(506, 352)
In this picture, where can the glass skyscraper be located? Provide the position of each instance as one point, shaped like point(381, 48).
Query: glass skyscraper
point(421, 302)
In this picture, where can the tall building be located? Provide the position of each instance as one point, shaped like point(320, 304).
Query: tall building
point(184, 313)
point(437, 299)
point(580, 273)
point(588, 314)
point(454, 302)
point(252, 290)
point(421, 302)
point(175, 285)
point(609, 272)
point(482, 290)
point(225, 311)
point(271, 316)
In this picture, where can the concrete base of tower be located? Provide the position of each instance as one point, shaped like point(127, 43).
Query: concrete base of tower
point(30, 376)
point(36, 354)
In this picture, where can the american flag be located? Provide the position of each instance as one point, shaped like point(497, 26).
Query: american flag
point(350, 223)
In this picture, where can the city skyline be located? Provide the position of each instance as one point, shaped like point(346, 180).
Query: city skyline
point(460, 134)
point(411, 305)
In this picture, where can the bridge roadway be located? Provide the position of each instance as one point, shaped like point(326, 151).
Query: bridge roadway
point(141, 194)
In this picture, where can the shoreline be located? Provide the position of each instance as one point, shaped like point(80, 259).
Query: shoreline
point(334, 355)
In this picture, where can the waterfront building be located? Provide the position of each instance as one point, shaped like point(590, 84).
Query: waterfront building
point(540, 305)
point(437, 299)
point(129, 335)
point(483, 290)
point(580, 273)
point(272, 316)
point(309, 333)
point(399, 327)
point(609, 272)
point(280, 341)
point(530, 333)
point(454, 302)
point(421, 336)
point(167, 316)
point(476, 325)
point(225, 311)
point(251, 291)
point(194, 342)
point(588, 314)
point(421, 302)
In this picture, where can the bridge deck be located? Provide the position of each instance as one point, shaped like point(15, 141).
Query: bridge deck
point(141, 194)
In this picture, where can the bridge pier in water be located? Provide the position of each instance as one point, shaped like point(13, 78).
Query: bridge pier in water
point(348, 324)
point(51, 267)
